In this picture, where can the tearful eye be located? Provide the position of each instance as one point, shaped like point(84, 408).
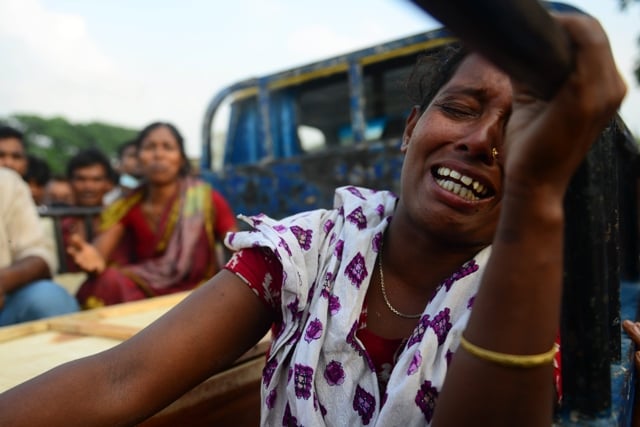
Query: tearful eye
point(456, 110)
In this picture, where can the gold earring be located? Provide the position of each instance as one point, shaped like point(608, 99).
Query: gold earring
point(494, 153)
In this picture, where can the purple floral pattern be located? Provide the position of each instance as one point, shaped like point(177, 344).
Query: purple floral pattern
point(377, 242)
point(270, 401)
point(426, 399)
point(334, 373)
point(356, 192)
point(314, 330)
point(304, 236)
point(328, 226)
point(356, 271)
point(267, 372)
point(358, 218)
point(448, 357)
point(470, 302)
point(441, 325)
point(293, 308)
point(327, 285)
point(289, 420)
point(418, 332)
point(334, 305)
point(466, 269)
point(416, 361)
point(339, 248)
point(380, 210)
point(284, 245)
point(364, 404)
point(303, 380)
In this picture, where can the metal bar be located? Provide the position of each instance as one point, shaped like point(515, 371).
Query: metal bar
point(589, 280)
point(57, 213)
point(628, 174)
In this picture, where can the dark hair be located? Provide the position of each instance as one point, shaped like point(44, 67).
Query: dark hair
point(186, 166)
point(9, 132)
point(123, 147)
point(89, 157)
point(432, 71)
point(59, 177)
point(38, 170)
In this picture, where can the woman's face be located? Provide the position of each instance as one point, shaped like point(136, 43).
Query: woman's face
point(160, 156)
point(451, 178)
point(129, 163)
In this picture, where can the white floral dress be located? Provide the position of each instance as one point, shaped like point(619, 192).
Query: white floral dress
point(318, 372)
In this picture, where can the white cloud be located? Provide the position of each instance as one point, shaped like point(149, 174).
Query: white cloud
point(316, 41)
point(51, 65)
point(59, 41)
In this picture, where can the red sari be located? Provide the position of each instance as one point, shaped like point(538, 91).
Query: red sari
point(178, 256)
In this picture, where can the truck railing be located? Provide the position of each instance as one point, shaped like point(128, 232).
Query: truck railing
point(600, 283)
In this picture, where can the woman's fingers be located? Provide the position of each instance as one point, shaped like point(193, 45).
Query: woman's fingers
point(633, 330)
point(547, 141)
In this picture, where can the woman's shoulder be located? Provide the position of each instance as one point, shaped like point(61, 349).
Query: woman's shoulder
point(119, 208)
point(352, 200)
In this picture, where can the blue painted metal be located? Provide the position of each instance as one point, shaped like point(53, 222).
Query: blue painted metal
point(623, 374)
point(356, 101)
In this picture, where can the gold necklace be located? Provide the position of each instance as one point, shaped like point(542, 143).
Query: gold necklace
point(384, 293)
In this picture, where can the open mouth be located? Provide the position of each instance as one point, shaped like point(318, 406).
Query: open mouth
point(461, 185)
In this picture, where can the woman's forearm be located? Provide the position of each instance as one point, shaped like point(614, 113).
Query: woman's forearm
point(516, 312)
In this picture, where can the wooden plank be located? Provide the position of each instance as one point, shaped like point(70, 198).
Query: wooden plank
point(141, 314)
point(26, 357)
point(230, 398)
point(93, 328)
point(8, 333)
point(28, 349)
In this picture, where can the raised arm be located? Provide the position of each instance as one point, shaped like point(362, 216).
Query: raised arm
point(516, 311)
point(128, 383)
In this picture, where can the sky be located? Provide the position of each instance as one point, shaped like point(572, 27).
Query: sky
point(132, 62)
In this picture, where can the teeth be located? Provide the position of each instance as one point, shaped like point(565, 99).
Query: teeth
point(455, 188)
point(467, 187)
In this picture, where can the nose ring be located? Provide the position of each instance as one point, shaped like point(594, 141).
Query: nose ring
point(494, 153)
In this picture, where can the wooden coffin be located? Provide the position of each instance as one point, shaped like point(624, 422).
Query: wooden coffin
point(230, 398)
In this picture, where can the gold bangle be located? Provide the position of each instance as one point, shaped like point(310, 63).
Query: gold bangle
point(506, 359)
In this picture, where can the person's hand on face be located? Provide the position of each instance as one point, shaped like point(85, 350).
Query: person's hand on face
point(546, 141)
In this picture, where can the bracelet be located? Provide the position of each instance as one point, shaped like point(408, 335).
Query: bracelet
point(506, 359)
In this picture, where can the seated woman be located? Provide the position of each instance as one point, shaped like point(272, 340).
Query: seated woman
point(161, 238)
